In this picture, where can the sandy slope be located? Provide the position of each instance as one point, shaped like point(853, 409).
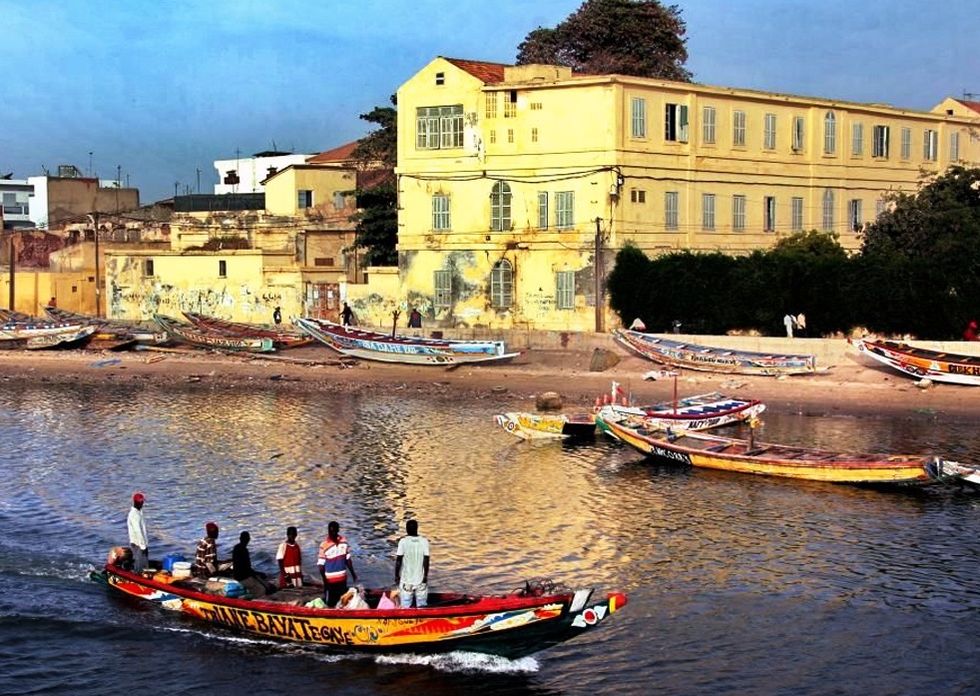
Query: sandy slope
point(856, 386)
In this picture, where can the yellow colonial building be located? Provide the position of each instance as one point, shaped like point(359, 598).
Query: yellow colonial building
point(517, 184)
point(239, 257)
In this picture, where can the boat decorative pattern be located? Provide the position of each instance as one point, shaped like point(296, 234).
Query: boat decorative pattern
point(694, 356)
point(920, 363)
point(372, 345)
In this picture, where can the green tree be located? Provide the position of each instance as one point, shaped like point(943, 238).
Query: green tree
point(377, 199)
point(628, 37)
point(924, 253)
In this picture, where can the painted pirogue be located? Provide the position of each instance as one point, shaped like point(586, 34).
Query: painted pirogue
point(694, 356)
point(282, 337)
point(936, 365)
point(201, 338)
point(745, 456)
point(411, 350)
point(514, 625)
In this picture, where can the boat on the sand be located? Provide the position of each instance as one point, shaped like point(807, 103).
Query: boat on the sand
point(282, 336)
point(200, 338)
point(922, 363)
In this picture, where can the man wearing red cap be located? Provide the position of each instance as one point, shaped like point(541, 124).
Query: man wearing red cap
point(137, 534)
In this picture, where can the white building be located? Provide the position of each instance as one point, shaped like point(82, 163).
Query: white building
point(15, 197)
point(246, 174)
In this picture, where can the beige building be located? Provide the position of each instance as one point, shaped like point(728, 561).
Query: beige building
point(517, 184)
point(290, 247)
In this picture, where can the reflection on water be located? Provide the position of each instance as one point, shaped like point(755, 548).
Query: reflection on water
point(771, 574)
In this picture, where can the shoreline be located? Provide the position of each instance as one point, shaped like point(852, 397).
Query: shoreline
point(854, 387)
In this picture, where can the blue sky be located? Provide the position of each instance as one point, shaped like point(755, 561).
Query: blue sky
point(162, 88)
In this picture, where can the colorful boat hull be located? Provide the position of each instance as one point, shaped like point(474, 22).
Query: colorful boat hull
point(699, 412)
point(511, 626)
point(191, 335)
point(742, 456)
point(411, 350)
point(281, 337)
point(692, 356)
point(921, 363)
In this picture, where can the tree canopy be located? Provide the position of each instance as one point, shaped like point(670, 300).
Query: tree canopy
point(376, 155)
point(629, 37)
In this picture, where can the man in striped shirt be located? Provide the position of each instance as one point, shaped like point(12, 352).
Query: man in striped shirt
point(334, 561)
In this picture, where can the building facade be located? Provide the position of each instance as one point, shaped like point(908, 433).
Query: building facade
point(290, 247)
point(517, 184)
point(59, 199)
point(246, 174)
point(15, 199)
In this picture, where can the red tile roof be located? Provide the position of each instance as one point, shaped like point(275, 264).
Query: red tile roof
point(488, 73)
point(338, 154)
point(970, 104)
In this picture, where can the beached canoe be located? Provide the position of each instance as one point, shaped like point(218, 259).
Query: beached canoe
point(536, 617)
point(938, 366)
point(282, 337)
point(710, 451)
point(699, 412)
point(694, 356)
point(113, 331)
point(40, 338)
point(192, 335)
point(410, 350)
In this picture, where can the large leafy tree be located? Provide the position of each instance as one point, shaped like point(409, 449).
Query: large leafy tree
point(376, 155)
point(629, 37)
point(924, 256)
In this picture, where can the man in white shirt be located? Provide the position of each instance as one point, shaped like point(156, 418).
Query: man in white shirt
point(137, 534)
point(412, 567)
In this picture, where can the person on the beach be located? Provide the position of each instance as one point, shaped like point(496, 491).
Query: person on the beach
point(789, 321)
point(333, 561)
point(346, 315)
point(289, 556)
point(137, 534)
point(970, 333)
point(277, 315)
point(412, 567)
point(415, 319)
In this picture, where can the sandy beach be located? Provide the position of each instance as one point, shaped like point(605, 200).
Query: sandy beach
point(852, 386)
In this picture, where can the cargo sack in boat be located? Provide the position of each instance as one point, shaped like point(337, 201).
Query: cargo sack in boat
point(224, 587)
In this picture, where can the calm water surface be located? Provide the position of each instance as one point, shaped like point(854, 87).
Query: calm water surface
point(737, 584)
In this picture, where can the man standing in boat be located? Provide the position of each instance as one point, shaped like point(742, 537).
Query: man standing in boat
point(333, 561)
point(412, 567)
point(290, 559)
point(346, 315)
point(137, 534)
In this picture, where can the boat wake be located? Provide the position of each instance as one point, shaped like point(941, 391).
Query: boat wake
point(464, 662)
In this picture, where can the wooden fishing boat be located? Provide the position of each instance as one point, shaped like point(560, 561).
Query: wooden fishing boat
point(44, 338)
point(412, 350)
point(954, 472)
point(512, 625)
point(110, 331)
point(693, 356)
point(699, 412)
point(191, 335)
point(282, 337)
point(730, 454)
point(938, 366)
point(539, 426)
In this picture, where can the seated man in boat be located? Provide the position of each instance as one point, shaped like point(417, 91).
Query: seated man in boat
point(241, 567)
point(206, 561)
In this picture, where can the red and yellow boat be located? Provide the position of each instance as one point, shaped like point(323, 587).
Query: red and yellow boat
point(512, 626)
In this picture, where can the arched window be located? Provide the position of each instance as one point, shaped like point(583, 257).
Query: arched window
point(829, 133)
point(502, 285)
point(828, 210)
point(500, 207)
